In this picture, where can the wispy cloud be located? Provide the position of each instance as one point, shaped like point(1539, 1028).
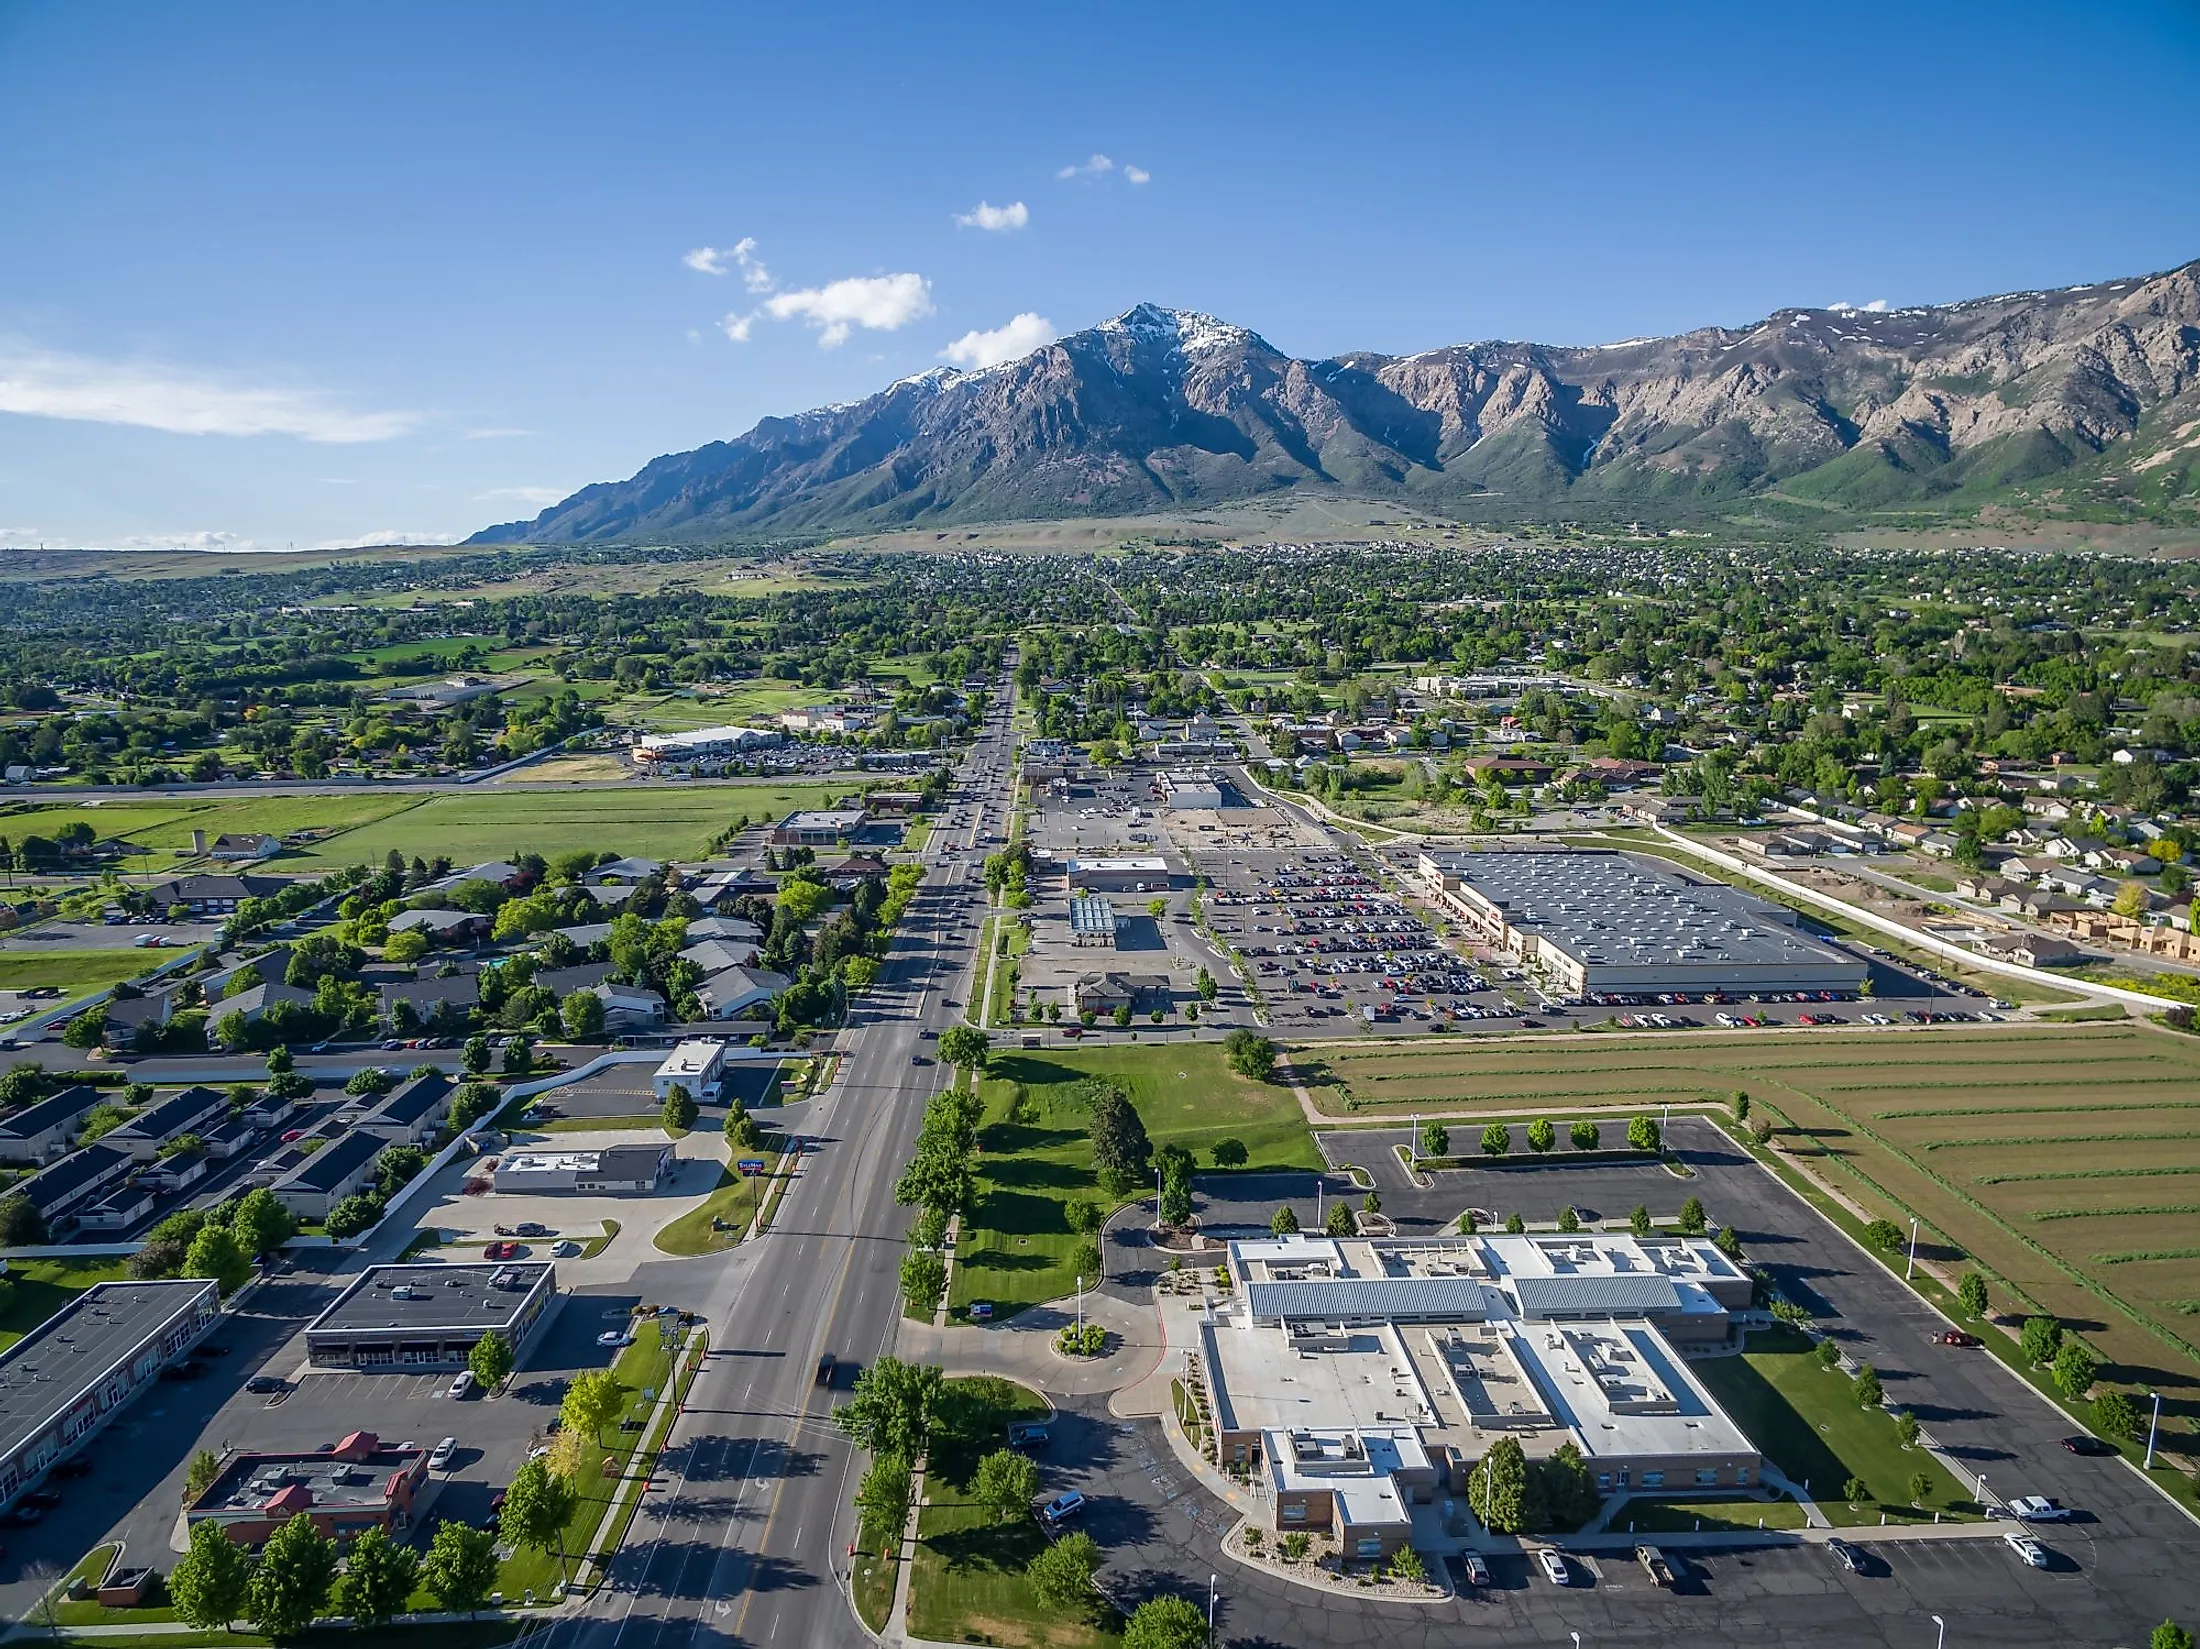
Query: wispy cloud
point(877, 303)
point(524, 495)
point(382, 537)
point(1094, 167)
point(180, 400)
point(985, 215)
point(1137, 174)
point(496, 432)
point(741, 255)
point(1878, 306)
point(1020, 336)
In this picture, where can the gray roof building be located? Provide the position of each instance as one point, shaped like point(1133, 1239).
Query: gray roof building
point(37, 1131)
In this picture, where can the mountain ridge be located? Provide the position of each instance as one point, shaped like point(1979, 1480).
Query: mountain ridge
point(2079, 395)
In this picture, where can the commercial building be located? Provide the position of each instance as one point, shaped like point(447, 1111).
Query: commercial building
point(698, 1065)
point(1104, 993)
point(83, 1365)
point(1365, 1376)
point(1604, 924)
point(1093, 920)
point(360, 1484)
point(820, 828)
point(701, 744)
point(1186, 788)
point(414, 1317)
point(43, 1131)
point(1132, 875)
point(611, 1170)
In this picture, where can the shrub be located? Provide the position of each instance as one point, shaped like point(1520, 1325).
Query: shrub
point(1584, 1134)
point(1496, 1140)
point(1885, 1235)
point(1644, 1134)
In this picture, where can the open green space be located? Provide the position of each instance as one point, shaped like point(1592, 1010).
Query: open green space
point(1808, 1423)
point(36, 1289)
point(1017, 1248)
point(451, 1634)
point(1677, 1514)
point(723, 1218)
point(650, 821)
point(966, 1584)
point(163, 829)
point(74, 972)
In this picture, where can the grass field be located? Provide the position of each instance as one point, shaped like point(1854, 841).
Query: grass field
point(164, 828)
point(735, 1202)
point(1036, 1158)
point(2066, 1160)
point(75, 971)
point(39, 1288)
point(967, 1583)
point(656, 821)
point(1809, 1425)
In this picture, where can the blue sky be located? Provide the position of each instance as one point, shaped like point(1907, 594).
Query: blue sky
point(330, 273)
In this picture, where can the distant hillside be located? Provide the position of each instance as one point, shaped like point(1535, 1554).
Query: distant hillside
point(2087, 396)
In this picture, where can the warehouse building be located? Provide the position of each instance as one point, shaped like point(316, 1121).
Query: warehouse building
point(414, 1317)
point(1604, 924)
point(83, 1365)
point(612, 1170)
point(1189, 788)
point(362, 1483)
point(1364, 1376)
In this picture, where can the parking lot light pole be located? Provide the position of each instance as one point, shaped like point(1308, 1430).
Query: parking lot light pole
point(1941, 1639)
point(1080, 1307)
point(1211, 1595)
point(2154, 1426)
point(1576, 1636)
point(1910, 1270)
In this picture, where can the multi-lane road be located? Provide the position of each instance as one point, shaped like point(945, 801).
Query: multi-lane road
point(745, 1538)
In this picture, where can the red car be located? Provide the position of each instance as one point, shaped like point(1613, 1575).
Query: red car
point(1956, 1337)
point(501, 1250)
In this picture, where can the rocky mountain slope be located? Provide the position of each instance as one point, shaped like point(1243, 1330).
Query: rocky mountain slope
point(2090, 394)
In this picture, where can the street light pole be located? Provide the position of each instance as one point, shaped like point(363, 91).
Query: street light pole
point(1940, 1639)
point(1910, 1270)
point(1080, 1308)
point(2153, 1426)
point(1211, 1595)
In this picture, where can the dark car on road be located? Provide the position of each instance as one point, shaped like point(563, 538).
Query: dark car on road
point(2088, 1445)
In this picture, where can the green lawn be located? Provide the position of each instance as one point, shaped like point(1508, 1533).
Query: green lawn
point(164, 828)
point(1805, 1420)
point(1036, 1158)
point(642, 1367)
point(39, 1288)
point(966, 1584)
point(75, 971)
point(651, 821)
point(1680, 1515)
point(735, 1202)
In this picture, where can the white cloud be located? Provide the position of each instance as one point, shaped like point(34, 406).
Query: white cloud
point(216, 541)
point(1091, 168)
point(525, 495)
point(150, 395)
point(1137, 174)
point(1020, 336)
point(724, 260)
point(737, 327)
point(1000, 218)
point(877, 303)
point(1878, 306)
point(383, 537)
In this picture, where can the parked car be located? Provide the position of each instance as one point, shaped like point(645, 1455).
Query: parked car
point(530, 1228)
point(615, 1337)
point(263, 1384)
point(1477, 1572)
point(1847, 1556)
point(440, 1456)
point(564, 1250)
point(1554, 1567)
point(1027, 1436)
point(1062, 1509)
point(462, 1385)
point(44, 1499)
point(501, 1250)
point(188, 1369)
point(77, 1465)
point(2030, 1550)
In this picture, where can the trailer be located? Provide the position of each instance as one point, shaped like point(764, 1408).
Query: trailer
point(1654, 1565)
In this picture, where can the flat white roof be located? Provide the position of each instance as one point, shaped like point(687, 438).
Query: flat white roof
point(698, 1056)
point(1622, 1390)
point(1155, 864)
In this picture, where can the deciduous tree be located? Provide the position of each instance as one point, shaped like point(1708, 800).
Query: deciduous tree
point(377, 1580)
point(208, 1584)
point(460, 1569)
point(290, 1584)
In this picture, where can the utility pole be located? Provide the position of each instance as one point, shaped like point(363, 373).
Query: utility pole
point(2153, 1427)
point(1910, 1270)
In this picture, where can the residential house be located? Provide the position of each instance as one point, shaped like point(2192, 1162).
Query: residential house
point(853, 871)
point(59, 1190)
point(254, 1001)
point(496, 872)
point(581, 976)
point(445, 927)
point(739, 992)
point(411, 1113)
point(626, 870)
point(41, 1131)
point(341, 1168)
point(193, 1111)
point(146, 1011)
point(732, 929)
point(446, 998)
point(629, 1007)
point(718, 955)
point(234, 845)
point(2031, 950)
point(210, 894)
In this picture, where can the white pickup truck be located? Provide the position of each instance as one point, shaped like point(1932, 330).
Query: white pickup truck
point(2036, 1508)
